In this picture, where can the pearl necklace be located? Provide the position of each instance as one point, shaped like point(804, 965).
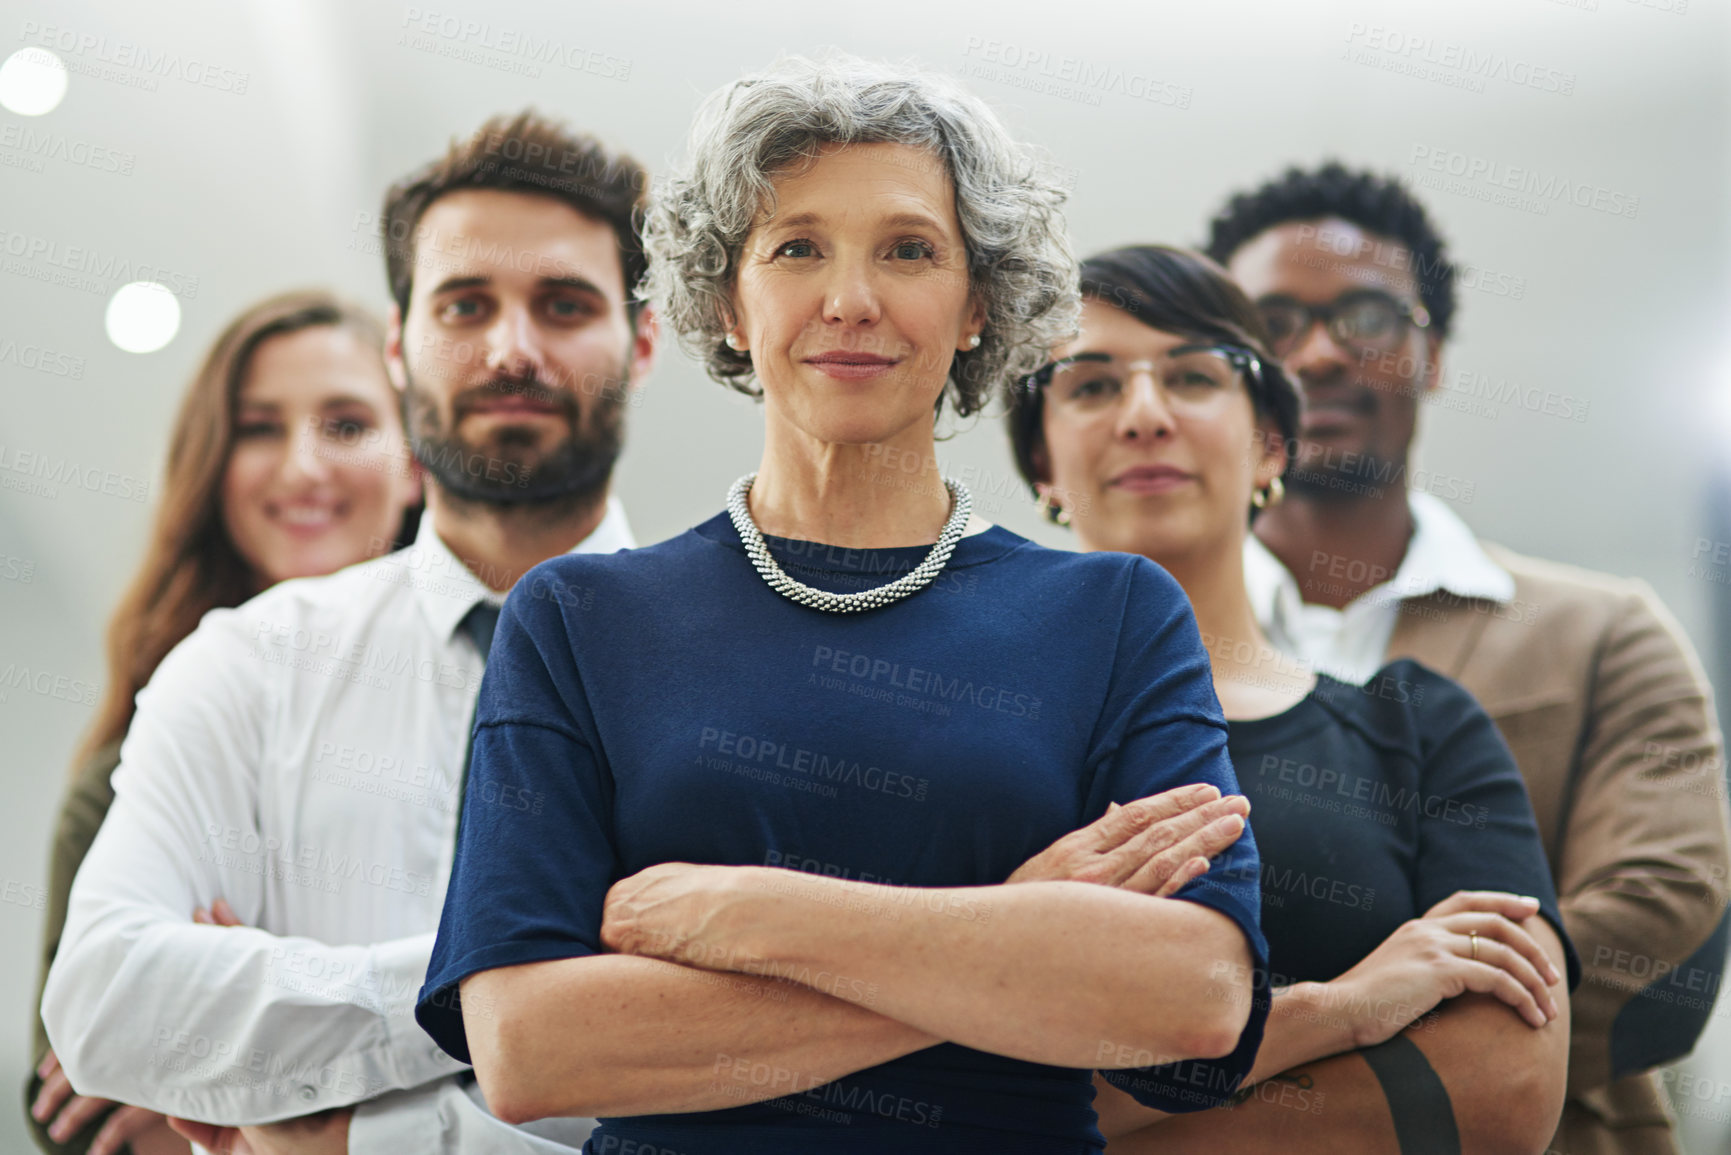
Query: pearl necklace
point(962, 506)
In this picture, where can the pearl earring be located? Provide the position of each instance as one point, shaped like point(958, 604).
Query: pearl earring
point(732, 342)
point(974, 341)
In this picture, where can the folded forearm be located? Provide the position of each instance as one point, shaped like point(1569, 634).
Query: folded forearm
point(232, 1025)
point(1503, 1081)
point(1304, 1024)
point(1051, 972)
point(1322, 1108)
point(620, 1035)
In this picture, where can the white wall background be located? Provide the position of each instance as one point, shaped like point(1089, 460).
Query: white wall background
point(255, 192)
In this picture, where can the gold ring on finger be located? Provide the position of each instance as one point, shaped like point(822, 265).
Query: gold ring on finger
point(1474, 935)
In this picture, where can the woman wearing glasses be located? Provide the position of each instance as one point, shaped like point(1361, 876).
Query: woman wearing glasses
point(855, 679)
point(1390, 817)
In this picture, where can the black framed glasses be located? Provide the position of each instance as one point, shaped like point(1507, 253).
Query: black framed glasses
point(1093, 382)
point(1366, 319)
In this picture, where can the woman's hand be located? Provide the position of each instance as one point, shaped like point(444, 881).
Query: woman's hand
point(219, 914)
point(674, 911)
point(1430, 959)
point(1154, 845)
point(72, 1113)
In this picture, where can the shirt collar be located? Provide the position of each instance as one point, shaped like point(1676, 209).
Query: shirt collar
point(447, 589)
point(1266, 581)
point(1442, 555)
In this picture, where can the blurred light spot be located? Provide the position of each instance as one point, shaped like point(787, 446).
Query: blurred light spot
point(32, 82)
point(142, 317)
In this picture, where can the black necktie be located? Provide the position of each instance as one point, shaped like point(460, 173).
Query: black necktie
point(479, 623)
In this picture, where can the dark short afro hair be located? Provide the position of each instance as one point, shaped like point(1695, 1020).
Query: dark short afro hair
point(1176, 291)
point(1377, 204)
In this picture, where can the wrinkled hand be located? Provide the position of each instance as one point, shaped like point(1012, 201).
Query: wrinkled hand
point(1154, 845)
point(326, 1133)
point(72, 1113)
point(671, 911)
point(1429, 959)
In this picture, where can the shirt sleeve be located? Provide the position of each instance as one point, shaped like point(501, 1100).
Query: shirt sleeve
point(1162, 728)
point(535, 845)
point(450, 1117)
point(1475, 822)
point(220, 1024)
point(1645, 856)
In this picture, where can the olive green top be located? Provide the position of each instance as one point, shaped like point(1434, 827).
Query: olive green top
point(87, 800)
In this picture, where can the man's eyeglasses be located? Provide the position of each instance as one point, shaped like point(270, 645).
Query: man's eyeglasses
point(1362, 320)
point(1093, 382)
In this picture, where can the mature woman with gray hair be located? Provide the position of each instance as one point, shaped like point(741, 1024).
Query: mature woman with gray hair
point(789, 834)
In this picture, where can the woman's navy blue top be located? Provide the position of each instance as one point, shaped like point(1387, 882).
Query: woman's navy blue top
point(665, 705)
point(1373, 803)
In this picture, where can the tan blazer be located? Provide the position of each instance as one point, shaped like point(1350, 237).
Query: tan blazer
point(1610, 718)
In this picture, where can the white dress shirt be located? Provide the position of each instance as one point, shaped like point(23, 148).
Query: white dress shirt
point(300, 756)
point(1351, 643)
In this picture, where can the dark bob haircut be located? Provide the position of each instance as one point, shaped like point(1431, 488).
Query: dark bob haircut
point(1177, 291)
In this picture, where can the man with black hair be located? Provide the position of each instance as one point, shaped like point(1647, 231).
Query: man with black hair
point(1589, 679)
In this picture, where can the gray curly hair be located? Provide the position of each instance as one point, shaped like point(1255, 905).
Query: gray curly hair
point(1007, 200)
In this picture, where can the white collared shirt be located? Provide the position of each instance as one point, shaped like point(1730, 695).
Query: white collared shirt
point(299, 755)
point(1351, 643)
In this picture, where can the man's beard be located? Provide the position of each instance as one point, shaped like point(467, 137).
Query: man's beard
point(1323, 473)
point(1325, 476)
point(509, 470)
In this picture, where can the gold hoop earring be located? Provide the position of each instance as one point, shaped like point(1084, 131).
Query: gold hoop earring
point(1053, 512)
